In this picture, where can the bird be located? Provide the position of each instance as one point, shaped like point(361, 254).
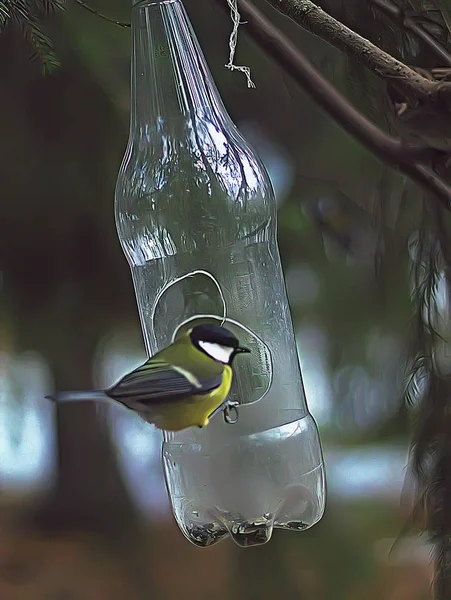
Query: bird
point(184, 385)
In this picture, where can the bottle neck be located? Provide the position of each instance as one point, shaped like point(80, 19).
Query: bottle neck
point(170, 79)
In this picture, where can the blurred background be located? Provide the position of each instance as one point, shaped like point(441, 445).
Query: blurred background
point(84, 507)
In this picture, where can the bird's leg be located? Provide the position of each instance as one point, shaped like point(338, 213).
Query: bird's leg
point(225, 407)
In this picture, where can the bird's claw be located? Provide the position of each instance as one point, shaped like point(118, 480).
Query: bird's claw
point(228, 408)
point(231, 408)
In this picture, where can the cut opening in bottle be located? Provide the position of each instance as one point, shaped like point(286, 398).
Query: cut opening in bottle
point(197, 298)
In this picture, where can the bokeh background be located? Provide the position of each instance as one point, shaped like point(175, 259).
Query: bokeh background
point(84, 508)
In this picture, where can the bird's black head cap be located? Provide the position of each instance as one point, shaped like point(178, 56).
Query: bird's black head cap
point(215, 334)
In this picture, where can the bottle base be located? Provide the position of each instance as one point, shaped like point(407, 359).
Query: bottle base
point(299, 511)
point(244, 533)
point(245, 489)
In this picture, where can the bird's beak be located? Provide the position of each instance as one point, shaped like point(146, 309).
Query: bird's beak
point(241, 349)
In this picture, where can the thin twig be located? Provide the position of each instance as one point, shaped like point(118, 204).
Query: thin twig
point(388, 149)
point(99, 14)
point(312, 18)
point(395, 13)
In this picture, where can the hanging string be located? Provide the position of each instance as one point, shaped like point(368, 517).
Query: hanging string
point(235, 15)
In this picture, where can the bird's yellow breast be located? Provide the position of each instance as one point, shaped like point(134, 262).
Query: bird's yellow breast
point(193, 411)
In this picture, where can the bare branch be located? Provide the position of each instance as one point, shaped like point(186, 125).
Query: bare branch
point(99, 14)
point(312, 18)
point(388, 149)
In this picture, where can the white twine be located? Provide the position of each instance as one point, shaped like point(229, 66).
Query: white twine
point(235, 15)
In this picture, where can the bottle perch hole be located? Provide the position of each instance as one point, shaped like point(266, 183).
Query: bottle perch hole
point(197, 298)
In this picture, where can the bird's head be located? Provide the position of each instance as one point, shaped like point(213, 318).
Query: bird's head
point(216, 342)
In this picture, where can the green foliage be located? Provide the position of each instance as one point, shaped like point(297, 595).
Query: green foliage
point(28, 15)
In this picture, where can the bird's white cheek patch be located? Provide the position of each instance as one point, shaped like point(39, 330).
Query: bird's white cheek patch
point(216, 351)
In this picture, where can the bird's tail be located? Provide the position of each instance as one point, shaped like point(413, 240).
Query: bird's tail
point(80, 396)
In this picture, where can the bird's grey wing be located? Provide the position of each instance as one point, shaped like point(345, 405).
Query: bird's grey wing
point(157, 382)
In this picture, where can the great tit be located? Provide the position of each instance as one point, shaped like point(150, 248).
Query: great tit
point(181, 386)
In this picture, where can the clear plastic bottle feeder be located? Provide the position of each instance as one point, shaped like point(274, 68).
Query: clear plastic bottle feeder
point(196, 217)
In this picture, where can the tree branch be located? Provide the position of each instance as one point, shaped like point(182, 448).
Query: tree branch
point(312, 18)
point(99, 14)
point(397, 15)
point(388, 149)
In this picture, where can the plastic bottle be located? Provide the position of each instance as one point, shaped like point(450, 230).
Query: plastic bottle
point(196, 218)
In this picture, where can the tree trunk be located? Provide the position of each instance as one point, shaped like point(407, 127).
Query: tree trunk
point(89, 492)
